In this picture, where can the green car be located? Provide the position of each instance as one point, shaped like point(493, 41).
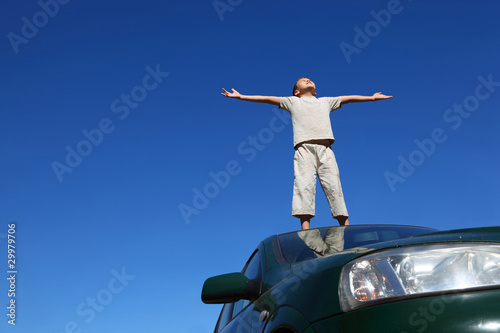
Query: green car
point(364, 278)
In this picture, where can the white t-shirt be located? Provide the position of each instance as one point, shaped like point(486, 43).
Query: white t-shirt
point(310, 117)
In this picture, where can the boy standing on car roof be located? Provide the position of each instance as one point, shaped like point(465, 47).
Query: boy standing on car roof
point(312, 140)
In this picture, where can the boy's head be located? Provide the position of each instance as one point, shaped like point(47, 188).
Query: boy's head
point(304, 87)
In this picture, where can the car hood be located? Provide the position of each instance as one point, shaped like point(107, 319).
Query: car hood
point(316, 281)
point(483, 234)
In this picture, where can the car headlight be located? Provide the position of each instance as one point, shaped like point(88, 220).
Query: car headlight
point(417, 270)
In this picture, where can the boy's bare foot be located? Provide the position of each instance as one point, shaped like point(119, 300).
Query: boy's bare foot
point(305, 221)
point(343, 220)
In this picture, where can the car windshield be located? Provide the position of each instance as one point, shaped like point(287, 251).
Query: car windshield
point(313, 243)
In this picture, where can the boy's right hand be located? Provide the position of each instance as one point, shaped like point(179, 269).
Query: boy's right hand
point(234, 94)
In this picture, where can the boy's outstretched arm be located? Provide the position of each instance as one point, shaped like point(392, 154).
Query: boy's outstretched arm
point(357, 98)
point(251, 98)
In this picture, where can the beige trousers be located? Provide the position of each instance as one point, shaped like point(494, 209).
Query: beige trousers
point(311, 160)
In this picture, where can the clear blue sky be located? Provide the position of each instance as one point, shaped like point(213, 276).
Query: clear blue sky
point(112, 124)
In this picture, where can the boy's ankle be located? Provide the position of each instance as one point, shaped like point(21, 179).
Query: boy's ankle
point(343, 220)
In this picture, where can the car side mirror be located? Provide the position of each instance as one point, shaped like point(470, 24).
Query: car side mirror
point(229, 288)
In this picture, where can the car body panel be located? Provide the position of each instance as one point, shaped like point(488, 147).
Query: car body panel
point(305, 295)
point(475, 311)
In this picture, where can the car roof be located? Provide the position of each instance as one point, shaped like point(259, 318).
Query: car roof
point(297, 246)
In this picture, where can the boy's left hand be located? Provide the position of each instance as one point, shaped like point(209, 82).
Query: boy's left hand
point(379, 96)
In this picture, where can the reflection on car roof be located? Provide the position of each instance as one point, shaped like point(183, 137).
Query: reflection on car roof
point(320, 242)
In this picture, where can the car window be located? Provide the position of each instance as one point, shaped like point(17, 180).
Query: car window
point(313, 243)
point(251, 270)
point(225, 316)
point(240, 305)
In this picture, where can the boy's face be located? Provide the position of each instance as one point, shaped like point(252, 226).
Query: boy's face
point(305, 87)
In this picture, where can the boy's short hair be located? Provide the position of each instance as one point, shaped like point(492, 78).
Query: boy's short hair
point(295, 85)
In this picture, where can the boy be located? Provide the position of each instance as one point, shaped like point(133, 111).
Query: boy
point(312, 139)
